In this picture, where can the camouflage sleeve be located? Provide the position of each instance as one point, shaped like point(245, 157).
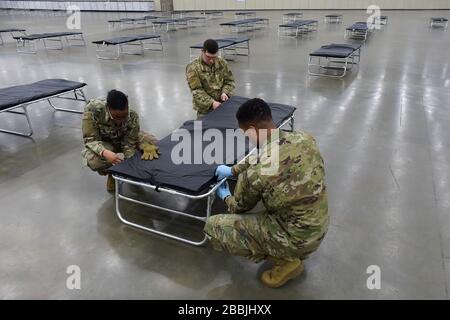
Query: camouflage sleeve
point(247, 193)
point(202, 100)
point(131, 139)
point(237, 169)
point(228, 83)
point(91, 136)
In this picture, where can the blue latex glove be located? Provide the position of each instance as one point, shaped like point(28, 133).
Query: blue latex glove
point(223, 172)
point(223, 191)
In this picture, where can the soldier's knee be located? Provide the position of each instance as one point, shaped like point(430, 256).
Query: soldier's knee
point(95, 162)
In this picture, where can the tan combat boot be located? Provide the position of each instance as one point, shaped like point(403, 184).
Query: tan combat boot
point(282, 272)
point(110, 184)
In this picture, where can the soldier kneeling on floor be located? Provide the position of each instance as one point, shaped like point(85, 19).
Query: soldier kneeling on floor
point(111, 133)
point(288, 176)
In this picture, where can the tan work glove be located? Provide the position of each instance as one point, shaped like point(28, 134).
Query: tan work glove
point(149, 151)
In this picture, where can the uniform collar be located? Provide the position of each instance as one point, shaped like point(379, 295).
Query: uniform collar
point(205, 66)
point(275, 136)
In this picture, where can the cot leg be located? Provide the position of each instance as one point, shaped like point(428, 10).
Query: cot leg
point(119, 196)
point(17, 133)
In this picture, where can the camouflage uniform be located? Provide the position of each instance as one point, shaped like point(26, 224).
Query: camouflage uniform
point(207, 83)
point(100, 133)
point(296, 217)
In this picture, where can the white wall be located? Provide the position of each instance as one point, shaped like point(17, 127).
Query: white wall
point(100, 5)
point(307, 4)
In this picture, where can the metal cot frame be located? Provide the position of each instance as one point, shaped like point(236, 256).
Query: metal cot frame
point(233, 49)
point(244, 26)
point(11, 32)
point(439, 22)
point(292, 17)
point(128, 21)
point(153, 44)
point(212, 14)
point(297, 28)
point(245, 15)
point(333, 63)
point(334, 18)
point(178, 23)
point(209, 196)
point(29, 46)
point(382, 20)
point(78, 96)
point(357, 33)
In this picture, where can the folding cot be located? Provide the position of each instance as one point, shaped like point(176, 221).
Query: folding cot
point(338, 57)
point(227, 47)
point(439, 22)
point(12, 32)
point(246, 24)
point(153, 42)
point(294, 29)
point(27, 43)
point(131, 21)
point(212, 14)
point(381, 20)
point(333, 18)
point(23, 96)
point(359, 31)
point(177, 23)
point(193, 180)
point(182, 14)
point(292, 17)
point(245, 14)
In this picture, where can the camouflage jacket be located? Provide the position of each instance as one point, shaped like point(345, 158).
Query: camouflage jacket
point(294, 193)
point(207, 83)
point(98, 128)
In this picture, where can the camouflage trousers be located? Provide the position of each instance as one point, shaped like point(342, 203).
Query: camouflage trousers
point(100, 165)
point(256, 236)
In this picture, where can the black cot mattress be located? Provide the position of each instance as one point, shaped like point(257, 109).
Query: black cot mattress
point(12, 30)
point(37, 36)
point(336, 50)
point(196, 175)
point(224, 43)
point(17, 95)
point(126, 39)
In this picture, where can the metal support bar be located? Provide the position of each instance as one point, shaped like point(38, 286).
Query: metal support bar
point(18, 133)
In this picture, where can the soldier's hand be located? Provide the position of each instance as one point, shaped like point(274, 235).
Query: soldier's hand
point(111, 157)
point(224, 97)
point(223, 172)
point(149, 151)
point(216, 104)
point(223, 191)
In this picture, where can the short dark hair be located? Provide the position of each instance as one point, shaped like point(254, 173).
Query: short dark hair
point(211, 46)
point(117, 100)
point(253, 111)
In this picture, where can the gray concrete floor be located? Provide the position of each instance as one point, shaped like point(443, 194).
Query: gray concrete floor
point(383, 132)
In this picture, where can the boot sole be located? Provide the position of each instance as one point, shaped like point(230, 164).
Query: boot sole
point(293, 274)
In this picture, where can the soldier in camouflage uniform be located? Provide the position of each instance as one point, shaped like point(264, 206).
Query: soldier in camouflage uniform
point(111, 133)
point(294, 195)
point(210, 79)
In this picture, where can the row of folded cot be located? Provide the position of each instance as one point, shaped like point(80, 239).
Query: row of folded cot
point(114, 48)
point(55, 41)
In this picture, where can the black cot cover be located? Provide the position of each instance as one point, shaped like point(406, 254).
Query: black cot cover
point(336, 50)
point(195, 175)
point(14, 96)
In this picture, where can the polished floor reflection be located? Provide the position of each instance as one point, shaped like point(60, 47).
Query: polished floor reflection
point(383, 132)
